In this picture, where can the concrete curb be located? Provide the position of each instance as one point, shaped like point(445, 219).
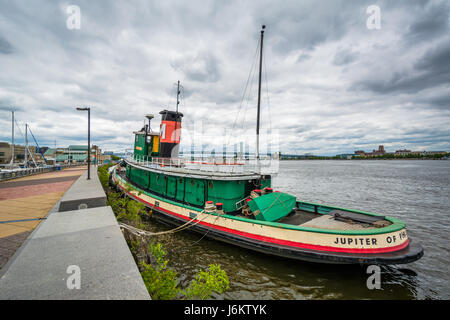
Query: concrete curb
point(84, 193)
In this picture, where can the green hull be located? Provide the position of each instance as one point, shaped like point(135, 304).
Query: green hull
point(195, 191)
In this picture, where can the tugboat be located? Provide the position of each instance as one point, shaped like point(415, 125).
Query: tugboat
point(233, 201)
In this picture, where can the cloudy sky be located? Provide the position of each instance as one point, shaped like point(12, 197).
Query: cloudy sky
point(331, 84)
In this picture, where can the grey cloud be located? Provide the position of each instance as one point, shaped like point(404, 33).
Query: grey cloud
point(432, 22)
point(8, 105)
point(344, 57)
point(204, 67)
point(441, 102)
point(5, 46)
point(304, 25)
point(431, 69)
point(5, 108)
point(303, 57)
point(436, 61)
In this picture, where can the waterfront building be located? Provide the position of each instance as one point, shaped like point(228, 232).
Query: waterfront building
point(347, 156)
point(374, 152)
point(19, 154)
point(432, 153)
point(402, 152)
point(76, 154)
point(378, 152)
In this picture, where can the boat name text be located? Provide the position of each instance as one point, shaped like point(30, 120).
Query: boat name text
point(370, 241)
point(356, 241)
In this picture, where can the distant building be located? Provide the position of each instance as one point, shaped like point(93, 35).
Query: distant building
point(374, 152)
point(378, 152)
point(347, 156)
point(19, 154)
point(76, 154)
point(402, 152)
point(432, 153)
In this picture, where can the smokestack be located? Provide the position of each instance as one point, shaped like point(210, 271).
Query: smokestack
point(170, 130)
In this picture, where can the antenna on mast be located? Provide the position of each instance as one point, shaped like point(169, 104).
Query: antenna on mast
point(178, 102)
point(178, 94)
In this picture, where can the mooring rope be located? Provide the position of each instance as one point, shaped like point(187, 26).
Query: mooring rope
point(193, 244)
point(140, 232)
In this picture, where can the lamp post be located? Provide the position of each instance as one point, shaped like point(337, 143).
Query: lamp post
point(89, 139)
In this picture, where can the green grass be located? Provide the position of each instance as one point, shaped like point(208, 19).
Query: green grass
point(162, 282)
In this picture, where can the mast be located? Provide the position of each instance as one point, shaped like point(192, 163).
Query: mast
point(259, 92)
point(178, 102)
point(178, 94)
point(12, 138)
point(26, 145)
point(89, 144)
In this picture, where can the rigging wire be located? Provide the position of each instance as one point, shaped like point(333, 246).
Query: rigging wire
point(23, 136)
point(245, 90)
point(269, 135)
point(186, 112)
point(246, 95)
point(248, 98)
point(182, 97)
point(267, 91)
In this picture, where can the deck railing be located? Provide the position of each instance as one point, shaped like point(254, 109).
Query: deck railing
point(265, 165)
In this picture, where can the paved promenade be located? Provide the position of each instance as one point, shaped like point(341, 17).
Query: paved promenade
point(24, 202)
point(75, 254)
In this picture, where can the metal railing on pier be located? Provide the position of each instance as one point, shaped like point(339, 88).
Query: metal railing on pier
point(7, 174)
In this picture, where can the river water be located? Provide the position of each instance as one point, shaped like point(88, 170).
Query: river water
point(415, 191)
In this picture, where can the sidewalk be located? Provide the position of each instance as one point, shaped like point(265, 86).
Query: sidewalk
point(87, 240)
point(24, 202)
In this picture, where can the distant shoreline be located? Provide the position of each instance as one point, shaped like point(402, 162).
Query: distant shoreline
point(363, 159)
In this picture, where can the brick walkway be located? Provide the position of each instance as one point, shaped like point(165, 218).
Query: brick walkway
point(25, 201)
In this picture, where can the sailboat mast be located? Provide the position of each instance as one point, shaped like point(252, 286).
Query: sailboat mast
point(12, 138)
point(259, 92)
point(26, 145)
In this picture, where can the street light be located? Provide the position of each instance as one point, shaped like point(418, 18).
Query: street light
point(89, 139)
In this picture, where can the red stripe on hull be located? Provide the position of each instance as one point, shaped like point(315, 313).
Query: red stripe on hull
point(278, 241)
